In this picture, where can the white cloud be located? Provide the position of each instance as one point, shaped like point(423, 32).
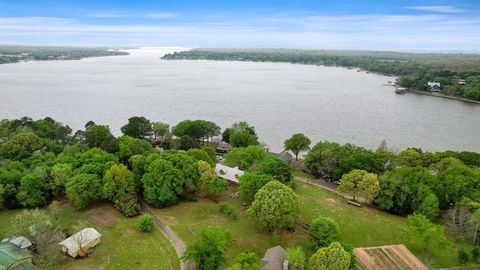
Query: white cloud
point(438, 9)
point(109, 14)
point(393, 32)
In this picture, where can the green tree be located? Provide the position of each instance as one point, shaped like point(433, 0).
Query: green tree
point(129, 146)
point(32, 191)
point(196, 129)
point(128, 205)
point(429, 206)
point(162, 183)
point(137, 127)
point(297, 143)
point(277, 168)
point(201, 154)
point(241, 134)
point(333, 257)
point(208, 182)
point(246, 261)
point(83, 189)
point(296, 258)
point(410, 157)
point(2, 191)
point(360, 183)
point(20, 146)
point(117, 182)
point(60, 174)
point(208, 250)
point(324, 230)
point(188, 142)
point(160, 129)
point(242, 139)
point(422, 234)
point(403, 189)
point(245, 157)
point(95, 135)
point(145, 223)
point(323, 159)
point(186, 165)
point(275, 206)
point(110, 144)
point(250, 182)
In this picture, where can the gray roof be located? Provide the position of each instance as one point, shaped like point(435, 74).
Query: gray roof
point(285, 156)
point(274, 258)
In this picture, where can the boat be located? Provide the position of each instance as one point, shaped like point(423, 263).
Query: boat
point(401, 90)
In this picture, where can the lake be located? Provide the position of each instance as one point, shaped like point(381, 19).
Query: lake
point(325, 103)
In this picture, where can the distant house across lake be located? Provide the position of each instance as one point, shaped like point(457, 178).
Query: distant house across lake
point(434, 86)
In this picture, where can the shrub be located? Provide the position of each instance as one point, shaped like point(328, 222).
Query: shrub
point(228, 210)
point(296, 258)
point(463, 257)
point(476, 254)
point(325, 231)
point(293, 185)
point(128, 205)
point(145, 223)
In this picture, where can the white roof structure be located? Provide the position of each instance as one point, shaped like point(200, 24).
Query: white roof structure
point(84, 239)
point(228, 173)
point(433, 84)
point(19, 241)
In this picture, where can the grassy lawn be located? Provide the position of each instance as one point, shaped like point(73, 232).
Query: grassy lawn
point(122, 246)
point(187, 216)
point(361, 227)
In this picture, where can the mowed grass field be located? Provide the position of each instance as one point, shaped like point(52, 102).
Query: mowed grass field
point(122, 246)
point(362, 227)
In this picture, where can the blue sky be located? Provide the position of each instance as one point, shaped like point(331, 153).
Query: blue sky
point(347, 24)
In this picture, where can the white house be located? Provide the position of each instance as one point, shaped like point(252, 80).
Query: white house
point(228, 173)
point(434, 86)
point(81, 242)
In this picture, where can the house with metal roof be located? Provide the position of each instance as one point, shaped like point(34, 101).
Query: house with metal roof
point(15, 258)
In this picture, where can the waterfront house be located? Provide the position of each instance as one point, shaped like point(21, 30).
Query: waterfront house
point(228, 173)
point(434, 86)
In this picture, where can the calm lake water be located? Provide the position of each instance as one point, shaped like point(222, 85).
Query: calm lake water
point(325, 103)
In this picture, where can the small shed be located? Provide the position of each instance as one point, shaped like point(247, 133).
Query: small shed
point(80, 243)
point(13, 257)
point(228, 173)
point(275, 259)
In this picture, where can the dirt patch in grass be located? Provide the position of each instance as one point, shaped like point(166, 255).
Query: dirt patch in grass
point(102, 215)
point(330, 200)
